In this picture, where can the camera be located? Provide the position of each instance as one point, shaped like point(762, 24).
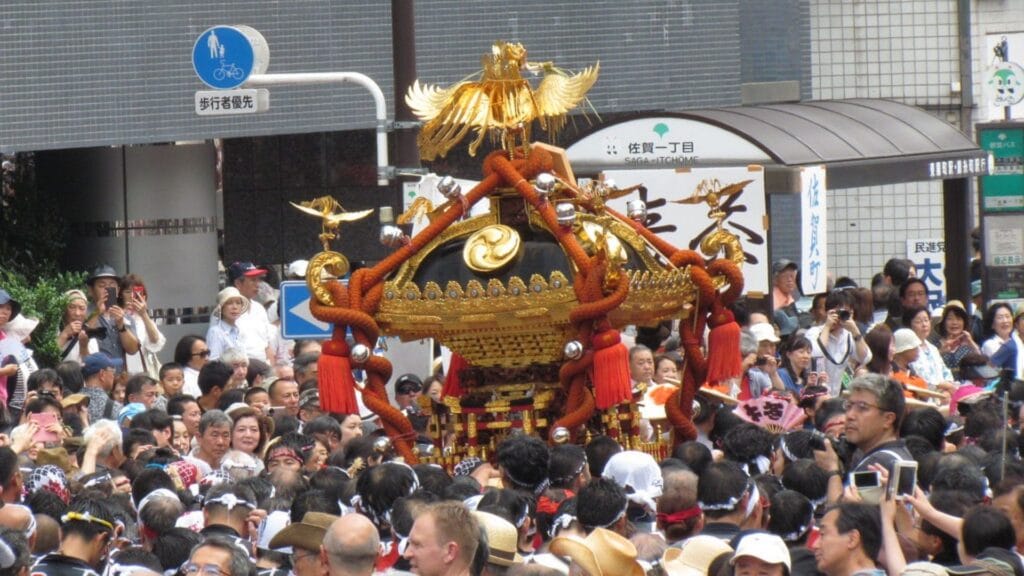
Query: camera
point(844, 315)
point(761, 361)
point(98, 332)
point(841, 446)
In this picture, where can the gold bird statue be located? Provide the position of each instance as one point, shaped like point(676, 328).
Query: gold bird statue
point(501, 103)
point(331, 213)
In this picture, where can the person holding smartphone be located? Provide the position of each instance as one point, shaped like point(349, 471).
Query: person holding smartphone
point(135, 297)
point(104, 286)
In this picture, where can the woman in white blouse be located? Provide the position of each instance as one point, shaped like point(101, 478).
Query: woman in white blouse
point(998, 323)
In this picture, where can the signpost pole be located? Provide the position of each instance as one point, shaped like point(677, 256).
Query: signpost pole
point(314, 78)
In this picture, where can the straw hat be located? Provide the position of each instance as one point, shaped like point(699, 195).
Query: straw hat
point(307, 534)
point(601, 553)
point(502, 539)
point(694, 557)
point(713, 394)
point(230, 293)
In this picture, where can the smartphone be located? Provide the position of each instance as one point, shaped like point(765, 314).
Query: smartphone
point(111, 300)
point(44, 420)
point(904, 479)
point(866, 479)
point(138, 291)
point(814, 365)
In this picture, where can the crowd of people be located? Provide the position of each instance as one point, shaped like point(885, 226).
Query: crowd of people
point(867, 435)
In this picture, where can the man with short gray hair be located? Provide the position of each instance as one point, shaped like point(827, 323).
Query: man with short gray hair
point(218, 554)
point(351, 546)
point(213, 442)
point(874, 412)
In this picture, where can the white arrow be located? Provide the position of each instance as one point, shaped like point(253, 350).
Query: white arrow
point(302, 311)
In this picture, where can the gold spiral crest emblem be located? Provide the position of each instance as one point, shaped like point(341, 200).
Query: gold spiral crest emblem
point(334, 264)
point(491, 248)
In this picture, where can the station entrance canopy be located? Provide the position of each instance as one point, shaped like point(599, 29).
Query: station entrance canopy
point(860, 142)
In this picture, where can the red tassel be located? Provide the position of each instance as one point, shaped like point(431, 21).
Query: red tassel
point(612, 384)
point(337, 386)
point(452, 383)
point(724, 360)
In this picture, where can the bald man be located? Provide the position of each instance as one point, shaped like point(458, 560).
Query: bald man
point(351, 546)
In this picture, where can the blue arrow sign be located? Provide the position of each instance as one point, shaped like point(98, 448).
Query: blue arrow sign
point(223, 57)
point(296, 319)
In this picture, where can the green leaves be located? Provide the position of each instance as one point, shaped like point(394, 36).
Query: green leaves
point(42, 298)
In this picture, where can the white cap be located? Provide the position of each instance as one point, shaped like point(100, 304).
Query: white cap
point(764, 331)
point(768, 548)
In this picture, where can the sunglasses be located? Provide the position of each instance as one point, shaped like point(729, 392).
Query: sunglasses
point(203, 354)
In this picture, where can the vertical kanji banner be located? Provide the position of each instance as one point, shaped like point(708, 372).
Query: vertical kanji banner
point(813, 230)
point(929, 257)
point(685, 225)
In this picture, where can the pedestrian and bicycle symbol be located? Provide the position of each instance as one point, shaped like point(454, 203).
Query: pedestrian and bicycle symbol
point(225, 56)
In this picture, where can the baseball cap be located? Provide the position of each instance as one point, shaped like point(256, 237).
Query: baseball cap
point(768, 548)
point(904, 339)
point(763, 331)
point(783, 264)
point(93, 363)
point(248, 269)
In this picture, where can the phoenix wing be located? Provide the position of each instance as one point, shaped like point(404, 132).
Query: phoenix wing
point(559, 92)
point(448, 115)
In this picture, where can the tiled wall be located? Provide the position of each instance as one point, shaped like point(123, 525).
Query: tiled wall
point(901, 50)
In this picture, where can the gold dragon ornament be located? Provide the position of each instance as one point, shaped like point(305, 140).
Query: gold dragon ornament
point(501, 103)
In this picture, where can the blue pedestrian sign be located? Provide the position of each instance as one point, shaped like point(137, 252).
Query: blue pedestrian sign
point(225, 56)
point(297, 320)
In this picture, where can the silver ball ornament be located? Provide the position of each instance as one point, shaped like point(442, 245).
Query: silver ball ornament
point(544, 184)
point(636, 210)
point(449, 188)
point(391, 236)
point(565, 213)
point(382, 445)
point(573, 350)
point(360, 353)
point(560, 435)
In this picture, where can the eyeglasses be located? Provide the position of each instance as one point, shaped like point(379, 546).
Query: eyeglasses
point(858, 406)
point(205, 569)
point(202, 354)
